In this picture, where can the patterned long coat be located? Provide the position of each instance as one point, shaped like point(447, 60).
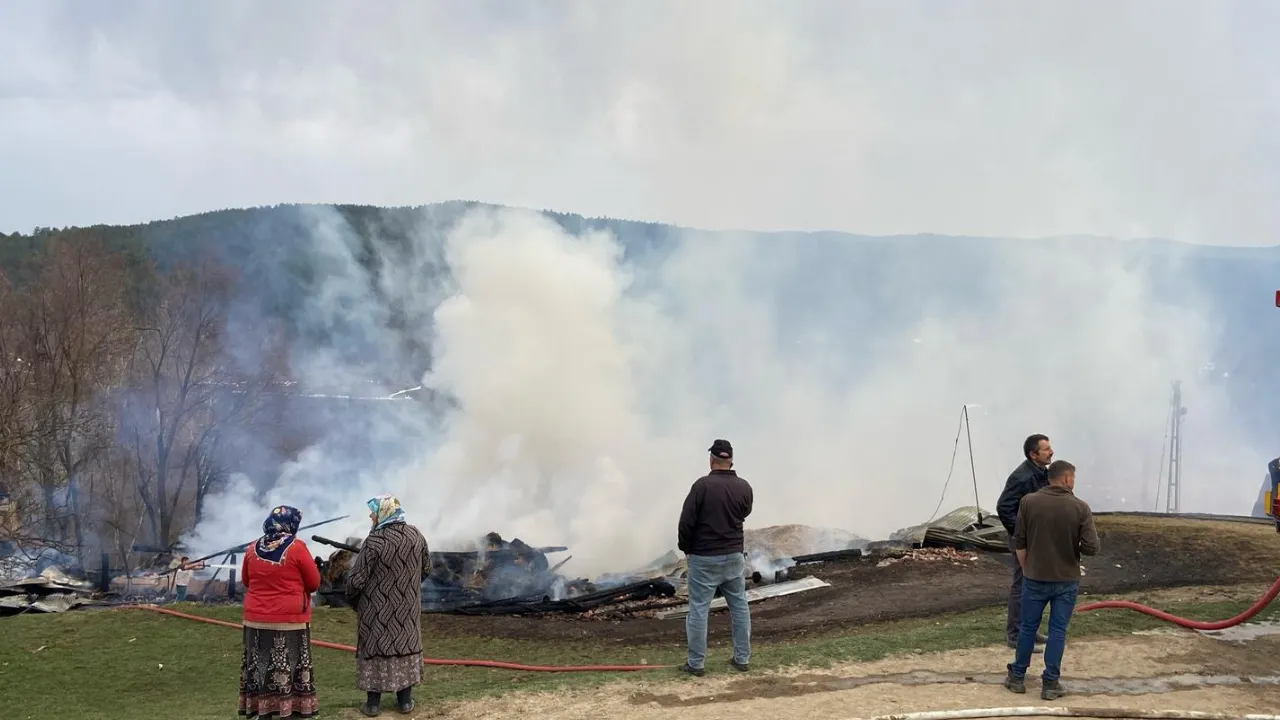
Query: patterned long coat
point(385, 588)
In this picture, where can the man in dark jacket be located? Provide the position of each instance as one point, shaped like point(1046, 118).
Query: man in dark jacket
point(710, 536)
point(1054, 529)
point(1030, 476)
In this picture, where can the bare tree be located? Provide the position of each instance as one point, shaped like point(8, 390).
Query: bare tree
point(120, 412)
point(85, 334)
point(67, 333)
point(177, 366)
point(14, 379)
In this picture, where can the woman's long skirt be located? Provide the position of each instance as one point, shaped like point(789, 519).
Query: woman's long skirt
point(388, 674)
point(276, 677)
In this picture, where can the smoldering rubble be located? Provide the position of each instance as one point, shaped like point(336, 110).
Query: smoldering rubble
point(501, 577)
point(51, 591)
point(497, 576)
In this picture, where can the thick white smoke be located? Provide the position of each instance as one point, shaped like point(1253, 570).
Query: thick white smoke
point(589, 387)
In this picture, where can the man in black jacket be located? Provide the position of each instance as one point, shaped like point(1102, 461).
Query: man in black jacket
point(711, 537)
point(1030, 476)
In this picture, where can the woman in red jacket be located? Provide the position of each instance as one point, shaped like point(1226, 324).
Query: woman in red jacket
point(279, 576)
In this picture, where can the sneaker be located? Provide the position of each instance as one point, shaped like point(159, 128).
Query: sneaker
point(696, 672)
point(1051, 690)
point(1015, 684)
point(740, 667)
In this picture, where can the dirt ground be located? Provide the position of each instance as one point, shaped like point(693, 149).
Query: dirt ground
point(1165, 670)
point(1138, 553)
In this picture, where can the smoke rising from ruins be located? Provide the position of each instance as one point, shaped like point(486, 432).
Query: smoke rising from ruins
point(589, 383)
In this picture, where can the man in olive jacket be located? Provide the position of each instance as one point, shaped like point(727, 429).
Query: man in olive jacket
point(1054, 529)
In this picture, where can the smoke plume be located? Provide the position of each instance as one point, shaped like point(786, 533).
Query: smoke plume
point(588, 382)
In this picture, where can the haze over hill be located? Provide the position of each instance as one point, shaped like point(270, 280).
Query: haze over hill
point(592, 360)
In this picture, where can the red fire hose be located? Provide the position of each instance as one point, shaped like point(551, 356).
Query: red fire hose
point(425, 661)
point(1254, 609)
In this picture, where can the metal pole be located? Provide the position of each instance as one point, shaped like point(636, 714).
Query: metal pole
point(231, 580)
point(972, 470)
point(1182, 411)
point(1173, 496)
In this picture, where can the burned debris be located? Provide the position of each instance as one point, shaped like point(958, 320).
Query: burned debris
point(498, 571)
point(941, 554)
point(631, 593)
point(497, 576)
point(49, 592)
point(504, 578)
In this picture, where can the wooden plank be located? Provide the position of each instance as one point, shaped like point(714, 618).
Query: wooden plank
point(756, 593)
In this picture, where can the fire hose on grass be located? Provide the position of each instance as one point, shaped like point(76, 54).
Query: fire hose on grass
point(962, 714)
point(496, 664)
point(1254, 609)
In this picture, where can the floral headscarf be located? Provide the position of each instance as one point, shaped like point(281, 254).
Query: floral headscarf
point(278, 532)
point(386, 510)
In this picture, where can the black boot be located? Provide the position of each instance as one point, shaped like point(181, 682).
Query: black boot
point(404, 700)
point(1051, 690)
point(373, 705)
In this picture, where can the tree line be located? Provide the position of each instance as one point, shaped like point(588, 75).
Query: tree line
point(122, 392)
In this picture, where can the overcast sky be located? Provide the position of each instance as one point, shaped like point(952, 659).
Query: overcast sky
point(1016, 118)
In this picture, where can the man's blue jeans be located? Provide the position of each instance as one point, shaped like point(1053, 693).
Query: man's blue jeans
point(707, 573)
point(1061, 599)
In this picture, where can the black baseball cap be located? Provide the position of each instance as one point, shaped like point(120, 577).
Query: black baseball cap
point(721, 449)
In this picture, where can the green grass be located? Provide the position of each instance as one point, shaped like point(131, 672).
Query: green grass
point(107, 664)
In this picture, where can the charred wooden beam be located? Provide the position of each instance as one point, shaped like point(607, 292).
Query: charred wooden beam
point(827, 556)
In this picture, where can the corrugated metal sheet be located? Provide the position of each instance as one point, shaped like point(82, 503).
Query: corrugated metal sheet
point(960, 519)
point(754, 594)
point(947, 527)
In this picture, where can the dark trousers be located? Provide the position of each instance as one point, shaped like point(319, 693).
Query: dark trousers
point(1060, 597)
point(1014, 616)
point(1013, 621)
